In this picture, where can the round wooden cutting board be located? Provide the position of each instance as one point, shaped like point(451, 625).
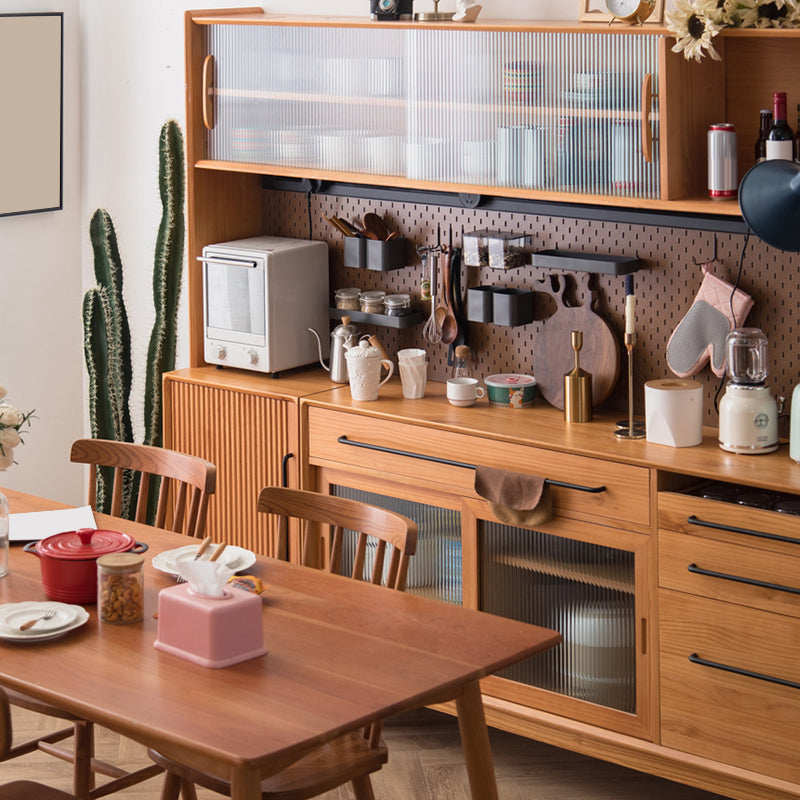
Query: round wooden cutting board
point(553, 356)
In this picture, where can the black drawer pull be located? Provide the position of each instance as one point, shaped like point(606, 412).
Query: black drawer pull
point(381, 449)
point(739, 579)
point(693, 520)
point(285, 470)
point(695, 659)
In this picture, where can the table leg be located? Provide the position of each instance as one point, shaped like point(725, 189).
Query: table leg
point(475, 741)
point(245, 784)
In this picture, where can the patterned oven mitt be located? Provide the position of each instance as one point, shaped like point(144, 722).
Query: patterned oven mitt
point(700, 335)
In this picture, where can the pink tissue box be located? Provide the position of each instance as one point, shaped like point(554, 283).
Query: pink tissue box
point(210, 631)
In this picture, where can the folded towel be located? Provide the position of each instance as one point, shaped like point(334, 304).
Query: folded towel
point(514, 498)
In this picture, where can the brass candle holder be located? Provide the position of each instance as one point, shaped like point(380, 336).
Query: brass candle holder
point(577, 387)
point(632, 429)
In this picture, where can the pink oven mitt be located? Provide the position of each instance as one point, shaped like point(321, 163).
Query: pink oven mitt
point(700, 335)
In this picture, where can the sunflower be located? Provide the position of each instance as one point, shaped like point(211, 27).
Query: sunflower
point(693, 28)
point(722, 12)
point(767, 14)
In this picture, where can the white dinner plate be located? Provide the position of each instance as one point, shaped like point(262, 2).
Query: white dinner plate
point(12, 615)
point(235, 558)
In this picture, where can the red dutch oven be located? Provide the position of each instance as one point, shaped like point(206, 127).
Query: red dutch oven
point(69, 569)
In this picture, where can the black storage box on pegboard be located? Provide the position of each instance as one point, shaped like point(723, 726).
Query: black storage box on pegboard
point(374, 254)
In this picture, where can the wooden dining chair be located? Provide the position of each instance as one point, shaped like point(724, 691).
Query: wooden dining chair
point(180, 496)
point(21, 790)
point(352, 757)
point(181, 501)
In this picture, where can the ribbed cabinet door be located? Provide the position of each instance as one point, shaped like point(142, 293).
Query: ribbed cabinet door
point(246, 436)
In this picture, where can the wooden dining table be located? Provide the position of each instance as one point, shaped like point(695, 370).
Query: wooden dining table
point(340, 654)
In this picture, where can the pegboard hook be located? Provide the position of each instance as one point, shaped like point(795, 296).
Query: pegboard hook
point(707, 261)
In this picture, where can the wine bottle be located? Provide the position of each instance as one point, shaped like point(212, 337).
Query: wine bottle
point(797, 137)
point(763, 131)
point(780, 139)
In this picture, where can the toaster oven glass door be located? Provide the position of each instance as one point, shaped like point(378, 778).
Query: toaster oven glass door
point(235, 301)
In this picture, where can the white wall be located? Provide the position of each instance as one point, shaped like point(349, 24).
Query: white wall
point(124, 77)
point(40, 321)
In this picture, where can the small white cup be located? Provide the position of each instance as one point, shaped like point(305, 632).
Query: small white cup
point(413, 377)
point(463, 392)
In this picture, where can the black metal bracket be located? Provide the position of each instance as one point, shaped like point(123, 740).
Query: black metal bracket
point(695, 659)
point(739, 579)
point(518, 205)
point(450, 463)
point(693, 520)
point(470, 200)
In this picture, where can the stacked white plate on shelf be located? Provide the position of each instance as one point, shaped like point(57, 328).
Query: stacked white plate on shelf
point(60, 619)
point(235, 558)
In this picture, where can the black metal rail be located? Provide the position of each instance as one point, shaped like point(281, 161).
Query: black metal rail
point(450, 463)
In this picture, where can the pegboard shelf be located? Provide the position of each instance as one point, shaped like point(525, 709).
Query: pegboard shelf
point(381, 320)
point(585, 262)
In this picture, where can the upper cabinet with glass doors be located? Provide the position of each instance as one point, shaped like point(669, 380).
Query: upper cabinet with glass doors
point(561, 111)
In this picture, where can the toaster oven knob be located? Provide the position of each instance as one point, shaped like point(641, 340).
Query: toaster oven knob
point(253, 356)
point(220, 352)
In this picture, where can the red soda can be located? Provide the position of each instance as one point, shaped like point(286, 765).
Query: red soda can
point(723, 180)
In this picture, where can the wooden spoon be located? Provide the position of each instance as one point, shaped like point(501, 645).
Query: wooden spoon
point(374, 224)
point(449, 323)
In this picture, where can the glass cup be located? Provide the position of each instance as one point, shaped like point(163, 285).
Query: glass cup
point(3, 535)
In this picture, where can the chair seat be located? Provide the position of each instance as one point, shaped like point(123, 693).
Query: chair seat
point(28, 790)
point(327, 767)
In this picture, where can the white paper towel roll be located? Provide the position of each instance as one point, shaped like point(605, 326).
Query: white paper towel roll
point(674, 412)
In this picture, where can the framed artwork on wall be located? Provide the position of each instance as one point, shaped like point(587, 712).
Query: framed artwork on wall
point(603, 10)
point(31, 136)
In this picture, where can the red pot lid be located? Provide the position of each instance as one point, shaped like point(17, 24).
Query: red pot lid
point(84, 543)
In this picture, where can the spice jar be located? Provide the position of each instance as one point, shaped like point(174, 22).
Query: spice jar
point(397, 305)
point(373, 302)
point(120, 588)
point(347, 299)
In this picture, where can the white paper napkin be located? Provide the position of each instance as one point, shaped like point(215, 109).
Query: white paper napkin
point(205, 577)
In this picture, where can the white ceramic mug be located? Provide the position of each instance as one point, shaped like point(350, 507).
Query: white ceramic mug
point(464, 392)
point(364, 371)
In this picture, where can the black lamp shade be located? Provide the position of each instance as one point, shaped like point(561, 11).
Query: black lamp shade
point(769, 198)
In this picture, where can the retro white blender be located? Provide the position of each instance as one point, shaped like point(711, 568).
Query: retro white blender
point(748, 413)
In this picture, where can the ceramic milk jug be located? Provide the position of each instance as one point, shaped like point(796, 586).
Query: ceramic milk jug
point(364, 370)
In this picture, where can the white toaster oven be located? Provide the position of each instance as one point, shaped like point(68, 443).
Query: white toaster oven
point(260, 296)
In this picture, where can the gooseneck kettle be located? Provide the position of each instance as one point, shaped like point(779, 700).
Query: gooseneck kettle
point(343, 337)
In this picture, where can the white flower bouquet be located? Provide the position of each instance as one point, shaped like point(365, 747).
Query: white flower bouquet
point(12, 421)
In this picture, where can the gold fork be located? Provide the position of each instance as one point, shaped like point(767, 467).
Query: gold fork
point(49, 614)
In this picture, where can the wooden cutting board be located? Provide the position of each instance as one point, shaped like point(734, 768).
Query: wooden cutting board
point(553, 355)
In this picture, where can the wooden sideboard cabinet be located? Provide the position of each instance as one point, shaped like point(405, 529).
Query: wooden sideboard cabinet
point(679, 613)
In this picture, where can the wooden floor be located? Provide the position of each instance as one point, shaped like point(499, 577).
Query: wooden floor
point(425, 763)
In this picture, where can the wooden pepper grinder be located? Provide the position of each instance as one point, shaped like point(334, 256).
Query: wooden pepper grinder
point(577, 387)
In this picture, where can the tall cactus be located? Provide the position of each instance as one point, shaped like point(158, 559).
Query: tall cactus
point(107, 348)
point(107, 339)
point(166, 277)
